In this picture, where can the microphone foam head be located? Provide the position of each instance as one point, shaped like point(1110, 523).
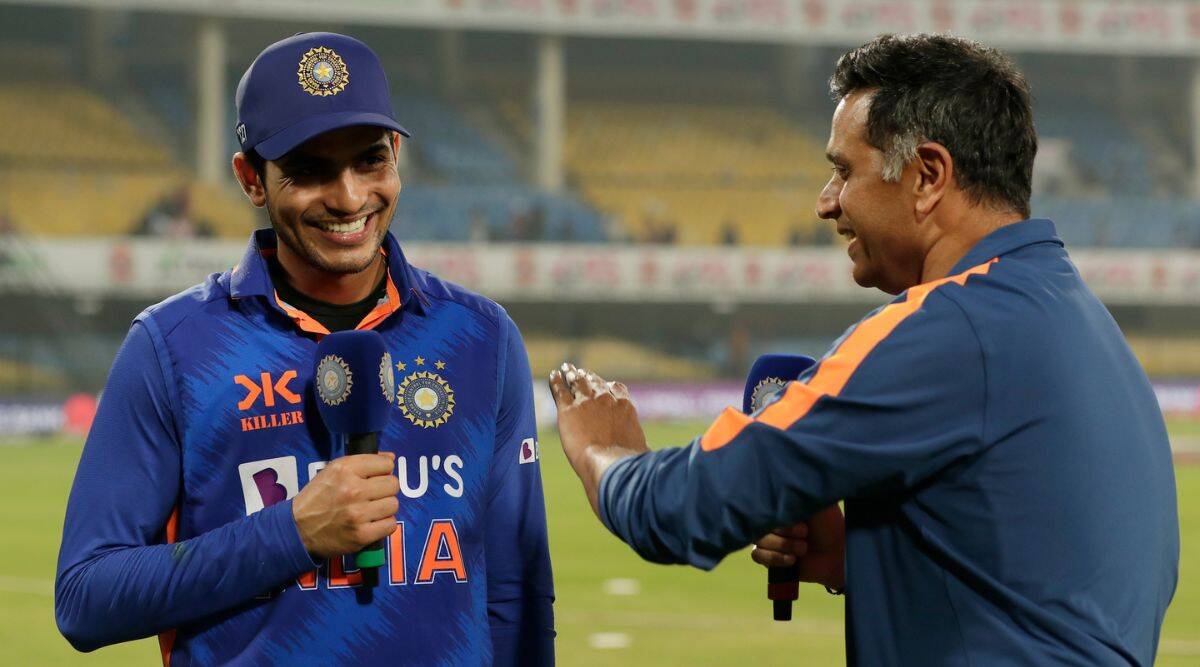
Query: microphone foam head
point(354, 382)
point(769, 375)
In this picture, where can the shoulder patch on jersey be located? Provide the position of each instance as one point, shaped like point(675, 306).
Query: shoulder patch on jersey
point(529, 451)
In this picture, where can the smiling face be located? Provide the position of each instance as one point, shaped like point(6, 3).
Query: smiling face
point(330, 200)
point(875, 215)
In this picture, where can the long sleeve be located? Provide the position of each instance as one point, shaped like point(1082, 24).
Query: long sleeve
point(900, 397)
point(520, 583)
point(118, 578)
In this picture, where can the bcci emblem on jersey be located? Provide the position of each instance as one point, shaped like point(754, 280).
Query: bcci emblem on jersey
point(322, 72)
point(333, 380)
point(764, 391)
point(425, 398)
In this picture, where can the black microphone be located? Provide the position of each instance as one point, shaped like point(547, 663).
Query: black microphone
point(355, 390)
point(769, 375)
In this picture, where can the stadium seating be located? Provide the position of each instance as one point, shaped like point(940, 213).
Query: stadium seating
point(65, 125)
point(1136, 222)
point(1104, 148)
point(701, 168)
point(711, 172)
point(1167, 356)
point(466, 184)
point(448, 144)
point(432, 212)
point(81, 167)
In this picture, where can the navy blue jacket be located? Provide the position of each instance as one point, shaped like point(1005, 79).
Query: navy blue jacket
point(1008, 486)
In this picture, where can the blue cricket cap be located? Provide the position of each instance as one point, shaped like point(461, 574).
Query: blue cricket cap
point(309, 84)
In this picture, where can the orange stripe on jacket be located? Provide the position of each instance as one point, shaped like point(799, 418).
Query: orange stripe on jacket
point(166, 639)
point(835, 370)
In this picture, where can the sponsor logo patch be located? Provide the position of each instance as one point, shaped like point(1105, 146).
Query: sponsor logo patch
point(267, 482)
point(529, 451)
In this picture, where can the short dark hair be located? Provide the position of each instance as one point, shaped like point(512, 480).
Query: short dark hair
point(968, 97)
point(256, 162)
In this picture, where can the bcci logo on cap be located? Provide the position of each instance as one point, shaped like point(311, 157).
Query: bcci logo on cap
point(333, 380)
point(322, 72)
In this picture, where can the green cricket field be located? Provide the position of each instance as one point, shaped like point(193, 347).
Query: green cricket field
point(612, 608)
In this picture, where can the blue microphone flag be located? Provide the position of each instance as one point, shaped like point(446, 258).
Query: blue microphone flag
point(769, 375)
point(354, 382)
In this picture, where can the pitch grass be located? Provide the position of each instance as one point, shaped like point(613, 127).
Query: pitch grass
point(677, 616)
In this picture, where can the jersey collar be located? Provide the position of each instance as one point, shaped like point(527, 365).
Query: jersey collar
point(1007, 239)
point(252, 278)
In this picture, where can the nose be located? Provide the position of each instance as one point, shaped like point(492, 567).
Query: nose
point(346, 194)
point(828, 206)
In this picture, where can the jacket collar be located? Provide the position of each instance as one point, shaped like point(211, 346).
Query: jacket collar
point(1006, 240)
point(251, 277)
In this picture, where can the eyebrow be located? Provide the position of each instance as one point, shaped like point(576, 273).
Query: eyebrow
point(383, 145)
point(293, 160)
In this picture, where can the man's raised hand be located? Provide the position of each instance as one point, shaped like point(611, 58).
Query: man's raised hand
point(597, 423)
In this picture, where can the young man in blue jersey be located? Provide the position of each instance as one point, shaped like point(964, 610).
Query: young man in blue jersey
point(211, 505)
point(1007, 481)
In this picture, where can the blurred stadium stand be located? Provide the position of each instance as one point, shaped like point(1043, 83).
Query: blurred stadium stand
point(694, 142)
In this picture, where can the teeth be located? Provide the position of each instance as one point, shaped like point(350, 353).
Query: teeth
point(346, 227)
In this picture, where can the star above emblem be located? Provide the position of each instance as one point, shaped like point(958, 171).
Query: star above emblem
point(400, 366)
point(420, 361)
point(441, 365)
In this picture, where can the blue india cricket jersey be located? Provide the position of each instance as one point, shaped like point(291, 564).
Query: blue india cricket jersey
point(180, 522)
point(1007, 479)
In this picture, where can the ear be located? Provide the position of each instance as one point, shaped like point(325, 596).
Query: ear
point(935, 175)
point(396, 137)
point(246, 177)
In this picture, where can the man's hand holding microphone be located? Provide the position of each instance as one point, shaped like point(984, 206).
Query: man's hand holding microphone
point(351, 504)
point(350, 507)
point(598, 425)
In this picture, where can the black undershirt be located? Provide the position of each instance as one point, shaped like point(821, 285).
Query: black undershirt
point(332, 316)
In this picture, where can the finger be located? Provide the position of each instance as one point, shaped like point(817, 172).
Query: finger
point(772, 542)
point(377, 530)
point(785, 545)
point(577, 379)
point(381, 486)
point(597, 383)
point(382, 508)
point(369, 465)
point(559, 389)
point(798, 531)
point(619, 390)
point(772, 559)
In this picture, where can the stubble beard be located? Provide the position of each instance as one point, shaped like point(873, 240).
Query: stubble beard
point(310, 255)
